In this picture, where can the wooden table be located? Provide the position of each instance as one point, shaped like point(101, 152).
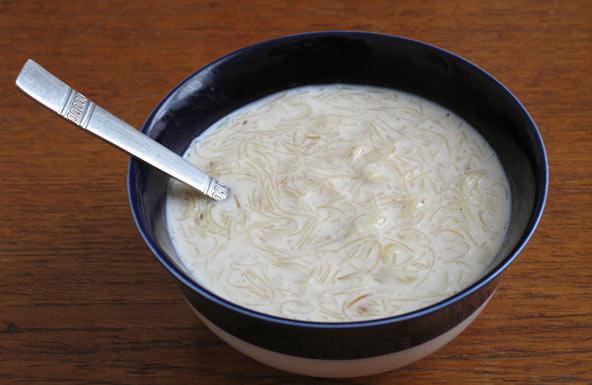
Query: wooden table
point(84, 302)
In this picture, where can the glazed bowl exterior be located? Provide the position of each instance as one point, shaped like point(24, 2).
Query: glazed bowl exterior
point(349, 348)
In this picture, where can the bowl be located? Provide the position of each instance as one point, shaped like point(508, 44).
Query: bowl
point(343, 349)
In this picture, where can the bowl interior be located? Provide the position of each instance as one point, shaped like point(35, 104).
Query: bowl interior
point(355, 58)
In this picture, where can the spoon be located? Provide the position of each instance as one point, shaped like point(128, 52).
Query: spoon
point(56, 95)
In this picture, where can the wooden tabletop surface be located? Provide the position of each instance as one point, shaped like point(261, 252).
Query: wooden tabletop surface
point(82, 300)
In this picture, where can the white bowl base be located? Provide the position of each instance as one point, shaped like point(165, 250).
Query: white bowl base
point(341, 368)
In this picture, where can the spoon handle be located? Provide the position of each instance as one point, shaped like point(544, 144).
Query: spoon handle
point(56, 95)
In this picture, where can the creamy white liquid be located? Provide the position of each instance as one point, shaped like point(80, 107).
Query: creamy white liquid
point(348, 203)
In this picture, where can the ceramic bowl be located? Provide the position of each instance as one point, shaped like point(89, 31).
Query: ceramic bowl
point(349, 348)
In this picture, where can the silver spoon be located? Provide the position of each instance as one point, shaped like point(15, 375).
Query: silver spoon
point(56, 95)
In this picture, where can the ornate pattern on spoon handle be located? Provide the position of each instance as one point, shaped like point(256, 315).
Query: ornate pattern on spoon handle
point(78, 108)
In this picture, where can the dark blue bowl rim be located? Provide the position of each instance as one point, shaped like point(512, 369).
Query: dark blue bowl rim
point(161, 256)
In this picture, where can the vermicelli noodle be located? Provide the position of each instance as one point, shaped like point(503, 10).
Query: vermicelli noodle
point(348, 203)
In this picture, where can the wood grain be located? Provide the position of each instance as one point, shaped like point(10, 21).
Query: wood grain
point(83, 301)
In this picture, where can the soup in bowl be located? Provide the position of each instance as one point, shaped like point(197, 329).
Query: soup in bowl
point(381, 187)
